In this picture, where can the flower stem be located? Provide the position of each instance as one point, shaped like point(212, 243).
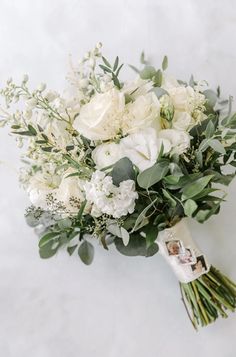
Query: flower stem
point(208, 297)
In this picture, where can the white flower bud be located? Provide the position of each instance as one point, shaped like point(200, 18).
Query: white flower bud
point(25, 78)
point(99, 45)
point(41, 87)
point(91, 62)
point(31, 103)
point(83, 83)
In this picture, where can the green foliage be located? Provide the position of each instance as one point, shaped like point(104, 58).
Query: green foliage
point(122, 170)
point(194, 188)
point(137, 246)
point(154, 174)
point(86, 252)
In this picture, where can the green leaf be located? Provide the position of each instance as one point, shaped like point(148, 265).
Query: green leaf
point(116, 64)
point(217, 146)
point(194, 188)
point(211, 97)
point(158, 78)
point(71, 250)
point(190, 207)
point(48, 237)
point(64, 223)
point(135, 69)
point(210, 129)
point(118, 231)
point(202, 215)
point(142, 216)
point(142, 58)
point(151, 235)
point(105, 69)
point(165, 63)
point(48, 250)
point(32, 130)
point(136, 247)
point(23, 133)
point(148, 72)
point(154, 174)
point(86, 252)
point(168, 196)
point(122, 170)
point(106, 62)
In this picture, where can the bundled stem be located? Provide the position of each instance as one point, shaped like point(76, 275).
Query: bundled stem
point(208, 297)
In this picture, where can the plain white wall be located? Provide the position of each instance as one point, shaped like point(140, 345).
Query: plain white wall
point(118, 306)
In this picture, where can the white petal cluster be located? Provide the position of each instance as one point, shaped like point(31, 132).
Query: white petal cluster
point(106, 198)
point(49, 191)
point(106, 115)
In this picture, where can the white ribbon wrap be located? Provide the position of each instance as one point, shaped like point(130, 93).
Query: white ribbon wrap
point(181, 253)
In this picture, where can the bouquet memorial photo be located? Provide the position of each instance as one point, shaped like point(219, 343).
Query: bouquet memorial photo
point(127, 163)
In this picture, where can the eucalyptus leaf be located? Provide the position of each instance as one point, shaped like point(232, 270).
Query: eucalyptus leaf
point(122, 170)
point(154, 174)
point(165, 63)
point(217, 146)
point(190, 207)
point(148, 72)
point(142, 216)
point(86, 252)
point(194, 188)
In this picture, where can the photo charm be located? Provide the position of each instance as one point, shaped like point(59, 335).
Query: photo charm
point(127, 163)
point(187, 257)
point(200, 265)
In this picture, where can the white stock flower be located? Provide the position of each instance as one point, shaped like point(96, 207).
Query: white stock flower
point(178, 139)
point(107, 154)
point(106, 198)
point(142, 148)
point(143, 112)
point(100, 118)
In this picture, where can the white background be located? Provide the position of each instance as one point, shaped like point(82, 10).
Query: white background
point(118, 306)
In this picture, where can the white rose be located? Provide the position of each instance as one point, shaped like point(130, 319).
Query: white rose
point(142, 113)
point(182, 121)
point(142, 148)
point(178, 139)
point(100, 118)
point(107, 154)
point(181, 97)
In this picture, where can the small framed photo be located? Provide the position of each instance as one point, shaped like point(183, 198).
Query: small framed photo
point(200, 266)
point(174, 247)
point(187, 257)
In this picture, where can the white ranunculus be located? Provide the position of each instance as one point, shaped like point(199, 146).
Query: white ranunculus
point(178, 139)
point(100, 118)
point(142, 148)
point(182, 121)
point(144, 112)
point(107, 154)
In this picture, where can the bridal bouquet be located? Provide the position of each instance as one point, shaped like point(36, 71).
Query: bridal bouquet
point(126, 163)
